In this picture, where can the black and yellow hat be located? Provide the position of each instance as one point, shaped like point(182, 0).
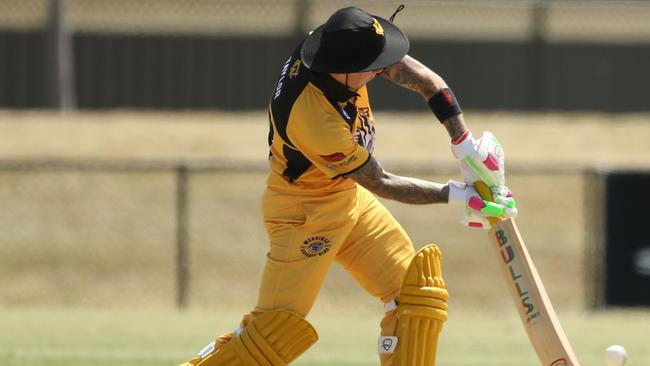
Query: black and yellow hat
point(354, 41)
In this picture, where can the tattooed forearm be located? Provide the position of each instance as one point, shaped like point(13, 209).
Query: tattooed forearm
point(455, 126)
point(411, 74)
point(403, 189)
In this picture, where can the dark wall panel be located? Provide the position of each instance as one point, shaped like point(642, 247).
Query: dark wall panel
point(482, 75)
point(176, 72)
point(22, 69)
point(627, 268)
point(203, 72)
point(613, 77)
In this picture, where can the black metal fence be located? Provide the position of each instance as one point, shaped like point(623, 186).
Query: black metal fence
point(211, 54)
point(181, 233)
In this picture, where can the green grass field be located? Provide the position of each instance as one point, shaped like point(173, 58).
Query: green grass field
point(78, 337)
point(86, 257)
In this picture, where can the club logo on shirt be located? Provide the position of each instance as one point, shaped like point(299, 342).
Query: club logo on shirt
point(295, 68)
point(315, 246)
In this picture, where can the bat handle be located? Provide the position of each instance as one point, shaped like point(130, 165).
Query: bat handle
point(486, 194)
point(483, 190)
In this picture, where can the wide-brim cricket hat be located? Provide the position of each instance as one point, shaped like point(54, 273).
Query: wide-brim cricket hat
point(354, 41)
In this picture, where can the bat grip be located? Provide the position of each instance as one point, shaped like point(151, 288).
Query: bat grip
point(486, 194)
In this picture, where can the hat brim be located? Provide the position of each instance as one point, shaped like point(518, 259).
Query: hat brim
point(395, 48)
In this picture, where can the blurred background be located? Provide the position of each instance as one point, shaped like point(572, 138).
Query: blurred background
point(133, 159)
point(207, 54)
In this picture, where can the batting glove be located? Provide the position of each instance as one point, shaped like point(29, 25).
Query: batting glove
point(481, 159)
point(475, 211)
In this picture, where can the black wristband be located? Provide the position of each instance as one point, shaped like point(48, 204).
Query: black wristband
point(444, 104)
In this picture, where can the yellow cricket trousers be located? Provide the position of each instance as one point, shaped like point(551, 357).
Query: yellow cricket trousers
point(308, 233)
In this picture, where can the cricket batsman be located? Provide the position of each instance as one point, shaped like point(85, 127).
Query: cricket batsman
point(320, 202)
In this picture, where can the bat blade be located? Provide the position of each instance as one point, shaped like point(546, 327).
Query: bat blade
point(531, 300)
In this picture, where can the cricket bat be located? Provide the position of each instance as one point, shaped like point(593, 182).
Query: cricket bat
point(528, 293)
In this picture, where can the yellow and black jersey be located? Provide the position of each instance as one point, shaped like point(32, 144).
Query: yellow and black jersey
point(319, 131)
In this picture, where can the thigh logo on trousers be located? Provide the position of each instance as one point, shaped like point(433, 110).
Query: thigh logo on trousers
point(315, 246)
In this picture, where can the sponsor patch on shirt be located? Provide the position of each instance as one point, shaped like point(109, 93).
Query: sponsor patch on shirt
point(333, 158)
point(342, 164)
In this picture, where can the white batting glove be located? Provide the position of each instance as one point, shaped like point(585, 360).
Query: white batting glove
point(481, 159)
point(476, 210)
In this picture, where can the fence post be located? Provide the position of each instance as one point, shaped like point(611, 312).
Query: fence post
point(182, 236)
point(301, 18)
point(537, 62)
point(60, 69)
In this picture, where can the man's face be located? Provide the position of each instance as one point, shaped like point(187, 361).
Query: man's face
point(358, 79)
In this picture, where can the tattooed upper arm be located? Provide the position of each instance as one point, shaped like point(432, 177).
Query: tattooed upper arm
point(369, 175)
point(412, 74)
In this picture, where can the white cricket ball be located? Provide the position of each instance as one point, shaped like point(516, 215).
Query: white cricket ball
point(615, 356)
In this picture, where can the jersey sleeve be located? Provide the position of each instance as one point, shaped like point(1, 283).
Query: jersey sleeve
point(329, 145)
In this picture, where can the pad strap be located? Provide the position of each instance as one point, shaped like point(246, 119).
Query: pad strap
point(390, 306)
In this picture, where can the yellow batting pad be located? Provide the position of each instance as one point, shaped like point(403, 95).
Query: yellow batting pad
point(422, 309)
point(274, 338)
